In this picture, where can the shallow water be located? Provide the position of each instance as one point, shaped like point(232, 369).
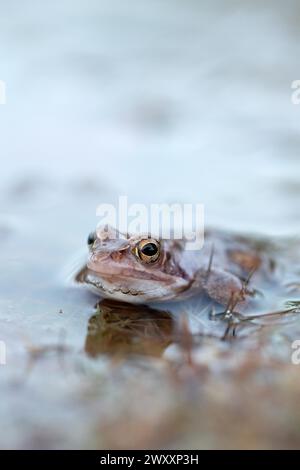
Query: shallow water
point(163, 102)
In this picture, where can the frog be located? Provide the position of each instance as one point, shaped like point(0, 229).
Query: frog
point(141, 269)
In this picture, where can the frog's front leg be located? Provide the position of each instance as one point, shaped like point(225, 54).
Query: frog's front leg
point(223, 287)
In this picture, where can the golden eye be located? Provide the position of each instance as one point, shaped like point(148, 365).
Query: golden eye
point(148, 250)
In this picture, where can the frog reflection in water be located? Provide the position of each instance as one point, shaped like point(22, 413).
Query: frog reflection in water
point(139, 269)
point(119, 328)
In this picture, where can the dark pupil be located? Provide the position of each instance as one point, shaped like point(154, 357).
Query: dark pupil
point(91, 238)
point(149, 250)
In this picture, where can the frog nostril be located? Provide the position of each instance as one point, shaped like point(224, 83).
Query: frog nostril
point(91, 238)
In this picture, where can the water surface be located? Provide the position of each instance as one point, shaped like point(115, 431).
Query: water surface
point(163, 101)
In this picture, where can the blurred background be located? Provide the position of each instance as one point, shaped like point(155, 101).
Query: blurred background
point(160, 100)
point(165, 100)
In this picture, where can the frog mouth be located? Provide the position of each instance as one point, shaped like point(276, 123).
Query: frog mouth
point(136, 288)
point(111, 289)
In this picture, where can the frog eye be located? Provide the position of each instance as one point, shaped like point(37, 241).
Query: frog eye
point(91, 238)
point(148, 250)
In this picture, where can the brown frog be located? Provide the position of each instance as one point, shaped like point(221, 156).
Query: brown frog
point(140, 269)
